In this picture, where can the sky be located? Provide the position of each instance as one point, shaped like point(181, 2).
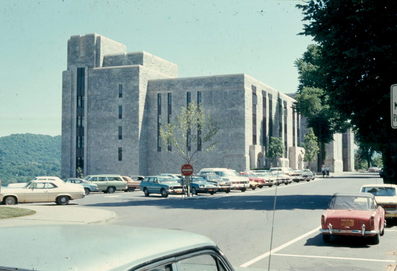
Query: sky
point(258, 38)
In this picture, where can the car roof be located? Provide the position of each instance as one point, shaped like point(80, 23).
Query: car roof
point(379, 185)
point(92, 247)
point(104, 175)
point(368, 195)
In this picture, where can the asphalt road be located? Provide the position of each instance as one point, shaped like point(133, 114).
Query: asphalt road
point(245, 225)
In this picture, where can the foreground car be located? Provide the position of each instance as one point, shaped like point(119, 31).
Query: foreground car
point(120, 248)
point(385, 195)
point(354, 215)
point(42, 191)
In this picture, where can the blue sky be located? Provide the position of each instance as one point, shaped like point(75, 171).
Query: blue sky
point(202, 37)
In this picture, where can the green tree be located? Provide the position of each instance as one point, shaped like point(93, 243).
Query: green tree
point(191, 132)
point(276, 150)
point(359, 60)
point(311, 146)
point(312, 100)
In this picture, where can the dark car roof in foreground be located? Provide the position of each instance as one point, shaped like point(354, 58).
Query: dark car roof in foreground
point(91, 247)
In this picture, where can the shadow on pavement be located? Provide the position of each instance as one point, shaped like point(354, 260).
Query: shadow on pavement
point(254, 202)
point(339, 241)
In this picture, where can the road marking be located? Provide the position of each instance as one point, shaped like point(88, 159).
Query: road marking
point(334, 258)
point(264, 255)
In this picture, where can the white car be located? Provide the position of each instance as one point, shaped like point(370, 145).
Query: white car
point(42, 191)
point(237, 181)
point(385, 195)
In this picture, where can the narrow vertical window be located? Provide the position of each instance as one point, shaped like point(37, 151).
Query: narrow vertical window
point(188, 136)
point(254, 103)
point(120, 154)
point(120, 132)
point(158, 122)
point(264, 119)
point(188, 98)
point(120, 111)
point(169, 113)
point(80, 93)
point(120, 91)
point(199, 141)
point(285, 129)
point(270, 115)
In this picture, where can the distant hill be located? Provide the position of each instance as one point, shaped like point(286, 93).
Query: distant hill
point(25, 156)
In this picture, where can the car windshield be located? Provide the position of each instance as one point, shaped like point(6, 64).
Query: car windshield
point(227, 173)
point(351, 203)
point(380, 191)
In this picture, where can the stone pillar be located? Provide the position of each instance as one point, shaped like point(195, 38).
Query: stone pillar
point(348, 151)
point(333, 158)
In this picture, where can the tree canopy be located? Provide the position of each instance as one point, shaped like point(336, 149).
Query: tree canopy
point(356, 41)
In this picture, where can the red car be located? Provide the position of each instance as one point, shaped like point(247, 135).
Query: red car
point(353, 215)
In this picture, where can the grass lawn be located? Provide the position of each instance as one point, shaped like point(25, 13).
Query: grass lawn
point(8, 212)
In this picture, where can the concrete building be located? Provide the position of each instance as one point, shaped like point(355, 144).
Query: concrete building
point(114, 103)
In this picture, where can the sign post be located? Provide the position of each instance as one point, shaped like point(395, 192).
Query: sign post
point(187, 171)
point(393, 106)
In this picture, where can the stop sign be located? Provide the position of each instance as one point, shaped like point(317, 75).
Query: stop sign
point(187, 170)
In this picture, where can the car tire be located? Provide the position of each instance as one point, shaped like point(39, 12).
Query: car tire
point(227, 191)
point(87, 191)
point(253, 187)
point(194, 191)
point(163, 193)
point(10, 200)
point(146, 192)
point(62, 200)
point(383, 230)
point(212, 192)
point(243, 189)
point(110, 189)
point(326, 238)
point(375, 239)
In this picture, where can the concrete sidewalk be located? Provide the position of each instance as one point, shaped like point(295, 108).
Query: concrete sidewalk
point(56, 214)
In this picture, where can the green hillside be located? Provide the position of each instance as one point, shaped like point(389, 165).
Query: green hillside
point(25, 156)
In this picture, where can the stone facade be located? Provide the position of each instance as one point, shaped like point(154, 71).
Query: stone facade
point(113, 102)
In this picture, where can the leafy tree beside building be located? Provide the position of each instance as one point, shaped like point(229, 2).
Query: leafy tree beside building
point(356, 41)
point(311, 146)
point(276, 150)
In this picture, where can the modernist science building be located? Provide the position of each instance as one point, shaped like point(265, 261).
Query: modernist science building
point(114, 103)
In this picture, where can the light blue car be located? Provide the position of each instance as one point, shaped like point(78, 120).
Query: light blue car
point(88, 187)
point(162, 185)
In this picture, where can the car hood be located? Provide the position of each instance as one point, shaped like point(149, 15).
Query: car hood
point(354, 214)
point(383, 200)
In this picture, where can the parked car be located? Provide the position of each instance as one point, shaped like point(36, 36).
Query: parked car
point(270, 178)
point(297, 176)
point(119, 248)
point(42, 191)
point(201, 185)
point(223, 185)
point(108, 183)
point(353, 215)
point(385, 195)
point(162, 185)
point(308, 175)
point(237, 182)
point(255, 180)
point(88, 186)
point(283, 174)
point(131, 184)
